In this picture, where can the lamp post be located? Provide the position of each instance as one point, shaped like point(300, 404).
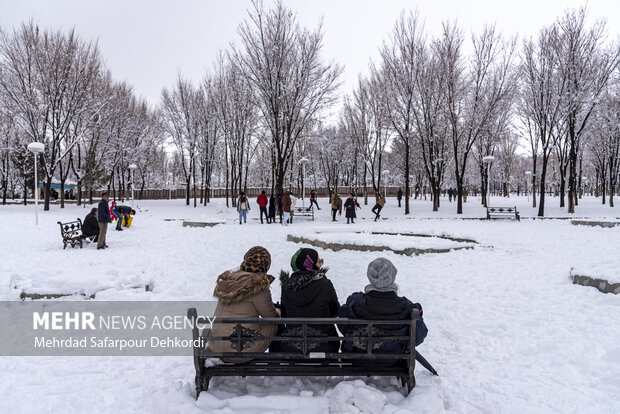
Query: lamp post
point(385, 174)
point(303, 161)
point(488, 160)
point(528, 174)
point(36, 148)
point(169, 186)
point(132, 167)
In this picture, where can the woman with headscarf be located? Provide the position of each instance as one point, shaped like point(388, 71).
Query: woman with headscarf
point(307, 292)
point(245, 293)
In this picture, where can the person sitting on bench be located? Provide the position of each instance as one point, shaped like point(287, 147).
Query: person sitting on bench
point(308, 293)
point(380, 301)
point(245, 293)
point(90, 227)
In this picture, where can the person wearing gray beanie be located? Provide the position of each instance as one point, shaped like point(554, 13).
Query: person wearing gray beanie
point(381, 274)
point(380, 301)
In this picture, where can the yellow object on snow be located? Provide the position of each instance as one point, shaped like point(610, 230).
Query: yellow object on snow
point(127, 221)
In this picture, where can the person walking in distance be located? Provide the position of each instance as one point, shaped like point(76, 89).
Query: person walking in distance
point(378, 206)
point(262, 203)
point(286, 207)
point(103, 218)
point(243, 205)
point(399, 196)
point(279, 200)
point(293, 204)
point(349, 206)
point(272, 210)
point(336, 205)
point(313, 201)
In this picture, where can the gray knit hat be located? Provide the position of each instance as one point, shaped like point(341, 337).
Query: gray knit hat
point(381, 274)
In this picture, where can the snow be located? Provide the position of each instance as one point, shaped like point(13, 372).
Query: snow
point(395, 242)
point(508, 331)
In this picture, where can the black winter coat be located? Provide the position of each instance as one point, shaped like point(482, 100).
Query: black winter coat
point(272, 206)
point(376, 305)
point(349, 206)
point(103, 212)
point(309, 294)
point(90, 227)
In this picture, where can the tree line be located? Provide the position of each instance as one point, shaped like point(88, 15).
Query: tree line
point(424, 117)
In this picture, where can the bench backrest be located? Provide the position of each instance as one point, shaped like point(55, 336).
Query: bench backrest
point(71, 228)
point(368, 335)
point(502, 210)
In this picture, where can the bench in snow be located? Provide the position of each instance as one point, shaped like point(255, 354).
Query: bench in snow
point(71, 233)
point(304, 212)
point(503, 212)
point(306, 362)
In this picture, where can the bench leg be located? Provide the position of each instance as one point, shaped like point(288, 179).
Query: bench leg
point(202, 384)
point(409, 384)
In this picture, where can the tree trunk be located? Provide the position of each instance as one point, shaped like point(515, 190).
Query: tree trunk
point(407, 167)
point(541, 205)
point(48, 192)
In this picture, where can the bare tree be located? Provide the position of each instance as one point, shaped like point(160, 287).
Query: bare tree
point(399, 67)
point(541, 91)
point(475, 91)
point(292, 84)
point(46, 79)
point(585, 67)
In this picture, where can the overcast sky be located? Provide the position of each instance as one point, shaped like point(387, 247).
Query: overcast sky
point(147, 42)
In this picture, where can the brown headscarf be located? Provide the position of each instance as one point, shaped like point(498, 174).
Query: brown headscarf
point(256, 260)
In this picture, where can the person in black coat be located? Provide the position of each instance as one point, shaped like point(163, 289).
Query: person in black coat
point(308, 293)
point(399, 196)
point(103, 217)
point(349, 206)
point(380, 301)
point(272, 209)
point(90, 227)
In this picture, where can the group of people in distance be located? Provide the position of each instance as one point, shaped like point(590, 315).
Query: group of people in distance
point(282, 204)
point(307, 292)
point(95, 223)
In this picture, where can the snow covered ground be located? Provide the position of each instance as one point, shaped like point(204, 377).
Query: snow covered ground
point(508, 331)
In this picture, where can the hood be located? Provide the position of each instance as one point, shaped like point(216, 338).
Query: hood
point(237, 286)
point(300, 279)
point(303, 287)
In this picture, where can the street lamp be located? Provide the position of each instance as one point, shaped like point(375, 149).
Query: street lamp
point(488, 160)
point(385, 174)
point(528, 174)
point(36, 148)
point(169, 186)
point(132, 167)
point(303, 161)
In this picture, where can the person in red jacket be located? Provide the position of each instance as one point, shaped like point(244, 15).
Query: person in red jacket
point(262, 203)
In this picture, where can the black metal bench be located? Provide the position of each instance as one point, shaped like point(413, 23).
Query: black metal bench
point(304, 212)
point(71, 232)
point(503, 213)
point(306, 362)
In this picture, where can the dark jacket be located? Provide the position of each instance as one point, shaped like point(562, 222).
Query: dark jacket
point(272, 206)
point(125, 210)
point(90, 227)
point(103, 212)
point(309, 294)
point(349, 206)
point(376, 305)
